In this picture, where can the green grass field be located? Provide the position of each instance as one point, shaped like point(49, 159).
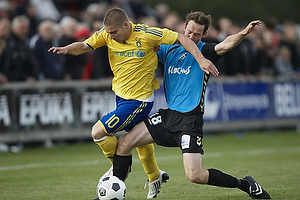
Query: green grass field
point(69, 172)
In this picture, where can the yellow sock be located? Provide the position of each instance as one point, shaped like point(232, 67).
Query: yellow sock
point(109, 146)
point(147, 157)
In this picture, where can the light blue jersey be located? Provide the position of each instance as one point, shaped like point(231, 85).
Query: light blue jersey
point(185, 82)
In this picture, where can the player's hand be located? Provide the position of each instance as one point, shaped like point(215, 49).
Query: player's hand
point(251, 26)
point(156, 48)
point(208, 67)
point(58, 50)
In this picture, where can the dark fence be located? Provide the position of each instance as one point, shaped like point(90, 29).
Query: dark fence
point(49, 111)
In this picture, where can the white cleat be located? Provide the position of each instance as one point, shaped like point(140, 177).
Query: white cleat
point(108, 173)
point(154, 186)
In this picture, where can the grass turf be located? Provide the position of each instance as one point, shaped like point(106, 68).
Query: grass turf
point(69, 172)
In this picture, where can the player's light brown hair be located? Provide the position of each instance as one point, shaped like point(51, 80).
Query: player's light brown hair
point(199, 18)
point(115, 16)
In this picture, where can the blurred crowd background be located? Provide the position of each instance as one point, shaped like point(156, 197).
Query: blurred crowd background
point(28, 28)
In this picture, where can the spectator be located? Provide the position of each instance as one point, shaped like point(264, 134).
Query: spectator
point(289, 39)
point(124, 4)
point(149, 20)
point(101, 67)
point(9, 9)
point(139, 9)
point(50, 65)
point(19, 61)
point(179, 28)
point(86, 60)
point(225, 25)
point(4, 33)
point(212, 36)
point(4, 28)
point(266, 53)
point(34, 21)
point(72, 65)
point(4, 5)
point(283, 63)
point(161, 11)
point(94, 11)
point(46, 9)
point(3, 78)
point(171, 21)
point(242, 55)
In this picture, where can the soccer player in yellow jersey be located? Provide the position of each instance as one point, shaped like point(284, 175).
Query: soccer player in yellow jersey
point(133, 63)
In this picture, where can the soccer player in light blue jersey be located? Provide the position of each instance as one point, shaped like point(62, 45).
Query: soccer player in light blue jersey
point(181, 124)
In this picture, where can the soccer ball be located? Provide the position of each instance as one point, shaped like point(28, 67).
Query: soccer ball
point(111, 188)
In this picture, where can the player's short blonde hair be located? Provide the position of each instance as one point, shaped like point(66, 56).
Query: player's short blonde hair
point(115, 16)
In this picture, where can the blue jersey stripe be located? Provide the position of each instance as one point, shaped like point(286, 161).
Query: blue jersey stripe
point(90, 46)
point(152, 31)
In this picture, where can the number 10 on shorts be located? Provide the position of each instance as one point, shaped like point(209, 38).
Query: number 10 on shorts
point(112, 121)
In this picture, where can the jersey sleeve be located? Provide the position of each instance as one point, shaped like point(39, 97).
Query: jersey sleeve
point(169, 37)
point(161, 36)
point(98, 39)
point(208, 51)
point(161, 54)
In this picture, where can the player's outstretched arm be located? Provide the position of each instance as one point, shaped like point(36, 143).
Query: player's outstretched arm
point(233, 40)
point(75, 49)
point(206, 65)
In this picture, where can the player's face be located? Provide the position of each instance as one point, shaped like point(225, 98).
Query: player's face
point(119, 33)
point(194, 31)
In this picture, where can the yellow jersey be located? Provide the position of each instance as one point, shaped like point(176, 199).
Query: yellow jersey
point(134, 62)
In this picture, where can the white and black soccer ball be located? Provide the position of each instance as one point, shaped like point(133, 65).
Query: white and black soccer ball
point(111, 188)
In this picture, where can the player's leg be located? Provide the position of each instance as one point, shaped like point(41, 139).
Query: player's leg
point(194, 172)
point(192, 160)
point(193, 169)
point(147, 157)
point(192, 163)
point(127, 114)
point(106, 142)
point(137, 136)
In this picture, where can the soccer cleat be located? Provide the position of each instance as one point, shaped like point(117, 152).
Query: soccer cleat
point(255, 190)
point(154, 186)
point(108, 173)
point(96, 198)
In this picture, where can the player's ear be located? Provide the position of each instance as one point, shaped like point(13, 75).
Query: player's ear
point(204, 34)
point(127, 25)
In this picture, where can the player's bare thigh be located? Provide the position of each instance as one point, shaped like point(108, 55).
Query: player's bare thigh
point(98, 131)
point(137, 136)
point(193, 168)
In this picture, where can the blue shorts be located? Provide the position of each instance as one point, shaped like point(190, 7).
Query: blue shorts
point(127, 114)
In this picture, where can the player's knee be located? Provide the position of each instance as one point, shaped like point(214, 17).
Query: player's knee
point(96, 132)
point(196, 177)
point(93, 132)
